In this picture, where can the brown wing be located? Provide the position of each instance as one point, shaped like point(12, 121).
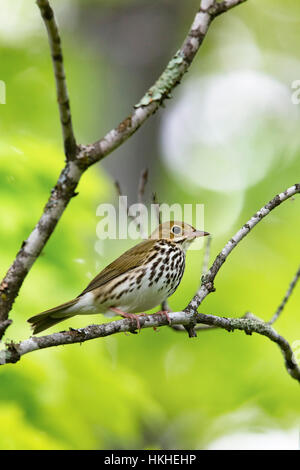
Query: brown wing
point(129, 260)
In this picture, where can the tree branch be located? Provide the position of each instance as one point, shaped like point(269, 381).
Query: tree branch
point(163, 87)
point(87, 155)
point(60, 78)
point(140, 195)
point(286, 298)
point(207, 284)
point(142, 185)
point(14, 351)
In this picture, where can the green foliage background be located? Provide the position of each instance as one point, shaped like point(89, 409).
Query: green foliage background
point(152, 390)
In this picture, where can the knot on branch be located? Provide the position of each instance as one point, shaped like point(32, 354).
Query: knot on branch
point(209, 285)
point(13, 354)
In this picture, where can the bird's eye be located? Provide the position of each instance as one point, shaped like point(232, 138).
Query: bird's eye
point(176, 229)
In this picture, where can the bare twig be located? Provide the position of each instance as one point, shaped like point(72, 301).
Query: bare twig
point(156, 205)
point(286, 298)
point(140, 197)
point(60, 78)
point(87, 155)
point(142, 185)
point(121, 194)
point(118, 188)
point(207, 284)
point(141, 190)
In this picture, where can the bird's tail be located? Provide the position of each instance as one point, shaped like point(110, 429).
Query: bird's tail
point(50, 317)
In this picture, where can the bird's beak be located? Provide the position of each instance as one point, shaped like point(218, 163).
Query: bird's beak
point(198, 233)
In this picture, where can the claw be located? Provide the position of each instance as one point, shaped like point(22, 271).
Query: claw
point(132, 316)
point(166, 314)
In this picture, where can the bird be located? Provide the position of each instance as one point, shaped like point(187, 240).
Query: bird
point(138, 280)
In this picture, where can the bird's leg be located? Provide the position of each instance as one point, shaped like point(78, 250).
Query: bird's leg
point(166, 314)
point(132, 316)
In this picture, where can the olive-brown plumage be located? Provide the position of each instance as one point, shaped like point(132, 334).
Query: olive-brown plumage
point(138, 280)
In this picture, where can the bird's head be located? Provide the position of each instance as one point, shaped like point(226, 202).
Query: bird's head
point(177, 232)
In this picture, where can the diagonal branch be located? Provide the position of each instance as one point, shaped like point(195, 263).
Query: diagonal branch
point(286, 297)
point(60, 78)
point(207, 284)
point(140, 196)
point(86, 155)
point(161, 90)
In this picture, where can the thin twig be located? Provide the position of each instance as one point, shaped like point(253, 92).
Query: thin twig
point(142, 185)
point(141, 190)
point(121, 194)
point(156, 205)
point(60, 78)
point(140, 197)
point(286, 298)
point(118, 188)
point(207, 284)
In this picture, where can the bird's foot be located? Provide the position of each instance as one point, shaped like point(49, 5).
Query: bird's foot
point(165, 313)
point(132, 316)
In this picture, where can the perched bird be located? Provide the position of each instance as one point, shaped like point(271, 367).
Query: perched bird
point(138, 280)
